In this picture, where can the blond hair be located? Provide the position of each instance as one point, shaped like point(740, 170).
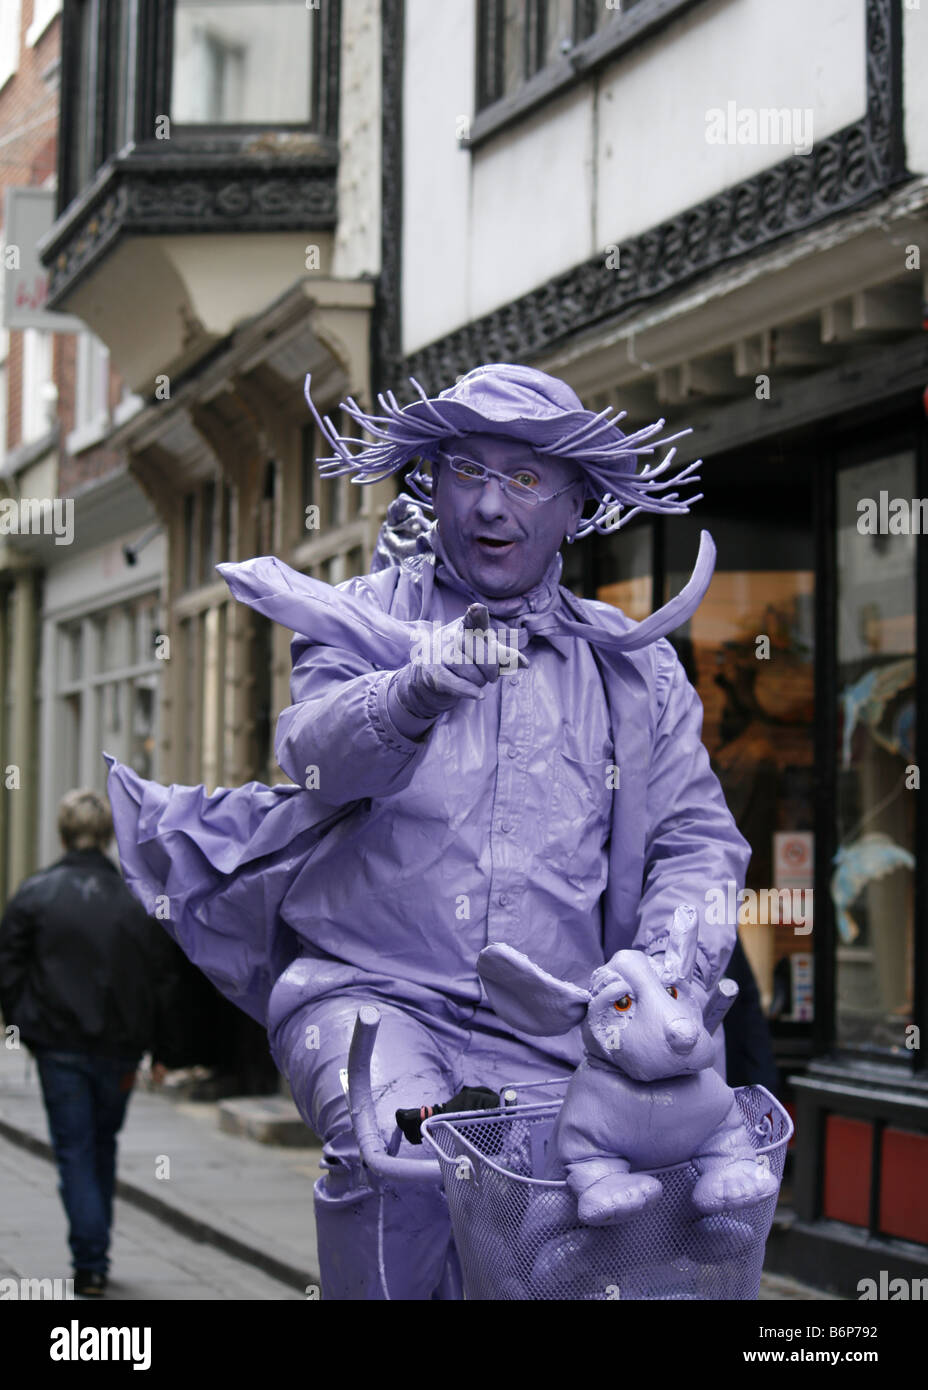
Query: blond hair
point(85, 820)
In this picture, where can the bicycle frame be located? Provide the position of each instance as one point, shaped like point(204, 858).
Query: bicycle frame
point(382, 1165)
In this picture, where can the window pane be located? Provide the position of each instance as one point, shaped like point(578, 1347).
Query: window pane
point(207, 531)
point(352, 494)
point(121, 85)
point(227, 538)
point(69, 766)
point(72, 652)
point(626, 565)
point(758, 730)
point(190, 709)
point(143, 698)
point(308, 462)
point(514, 37)
point(559, 29)
point(189, 539)
point(238, 62)
point(115, 630)
point(110, 713)
point(263, 657)
point(146, 631)
point(759, 703)
point(872, 888)
point(329, 491)
point(84, 103)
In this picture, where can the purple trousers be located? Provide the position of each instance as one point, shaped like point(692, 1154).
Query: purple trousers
point(391, 1242)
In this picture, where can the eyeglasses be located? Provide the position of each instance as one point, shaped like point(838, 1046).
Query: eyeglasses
point(468, 473)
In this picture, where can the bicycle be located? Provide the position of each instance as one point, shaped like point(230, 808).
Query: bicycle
point(516, 1235)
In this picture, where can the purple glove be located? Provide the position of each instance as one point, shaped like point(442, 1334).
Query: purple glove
point(426, 690)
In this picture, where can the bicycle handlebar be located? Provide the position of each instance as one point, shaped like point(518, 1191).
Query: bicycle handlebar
point(363, 1116)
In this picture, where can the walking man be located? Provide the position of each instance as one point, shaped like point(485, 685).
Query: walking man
point(86, 977)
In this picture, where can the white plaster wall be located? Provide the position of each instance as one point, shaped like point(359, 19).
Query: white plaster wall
point(438, 91)
point(915, 85)
point(357, 239)
point(610, 158)
point(532, 202)
point(654, 158)
point(99, 577)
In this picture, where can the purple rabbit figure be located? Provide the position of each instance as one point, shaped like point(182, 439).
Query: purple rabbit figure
point(646, 1095)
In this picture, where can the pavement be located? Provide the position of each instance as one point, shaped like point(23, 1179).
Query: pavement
point(150, 1261)
point(252, 1201)
point(249, 1201)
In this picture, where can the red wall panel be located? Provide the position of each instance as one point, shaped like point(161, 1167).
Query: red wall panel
point(903, 1185)
point(847, 1170)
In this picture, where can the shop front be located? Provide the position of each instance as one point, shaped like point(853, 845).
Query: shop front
point(804, 654)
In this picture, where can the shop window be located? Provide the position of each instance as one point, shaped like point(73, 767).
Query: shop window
point(749, 652)
point(622, 570)
point(873, 883)
point(239, 63)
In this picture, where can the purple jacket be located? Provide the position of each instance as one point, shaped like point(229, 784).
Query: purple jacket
point(241, 872)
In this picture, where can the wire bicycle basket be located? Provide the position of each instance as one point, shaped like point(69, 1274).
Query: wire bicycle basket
point(518, 1235)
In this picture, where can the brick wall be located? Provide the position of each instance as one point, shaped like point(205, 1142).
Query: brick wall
point(29, 114)
point(29, 127)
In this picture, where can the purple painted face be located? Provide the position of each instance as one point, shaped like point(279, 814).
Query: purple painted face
point(499, 544)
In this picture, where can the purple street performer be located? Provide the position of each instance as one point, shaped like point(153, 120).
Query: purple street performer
point(477, 756)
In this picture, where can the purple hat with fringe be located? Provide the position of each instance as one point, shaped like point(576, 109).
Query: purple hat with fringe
point(515, 402)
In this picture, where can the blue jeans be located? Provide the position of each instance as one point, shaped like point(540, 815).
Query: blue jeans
point(86, 1098)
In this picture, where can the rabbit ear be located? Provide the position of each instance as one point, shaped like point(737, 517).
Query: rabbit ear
point(680, 956)
point(528, 997)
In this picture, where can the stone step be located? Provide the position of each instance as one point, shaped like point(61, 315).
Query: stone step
point(267, 1120)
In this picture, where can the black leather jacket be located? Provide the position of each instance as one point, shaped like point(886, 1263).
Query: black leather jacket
point(83, 967)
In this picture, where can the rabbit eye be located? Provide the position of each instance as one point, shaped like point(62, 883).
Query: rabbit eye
point(624, 1003)
point(672, 991)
